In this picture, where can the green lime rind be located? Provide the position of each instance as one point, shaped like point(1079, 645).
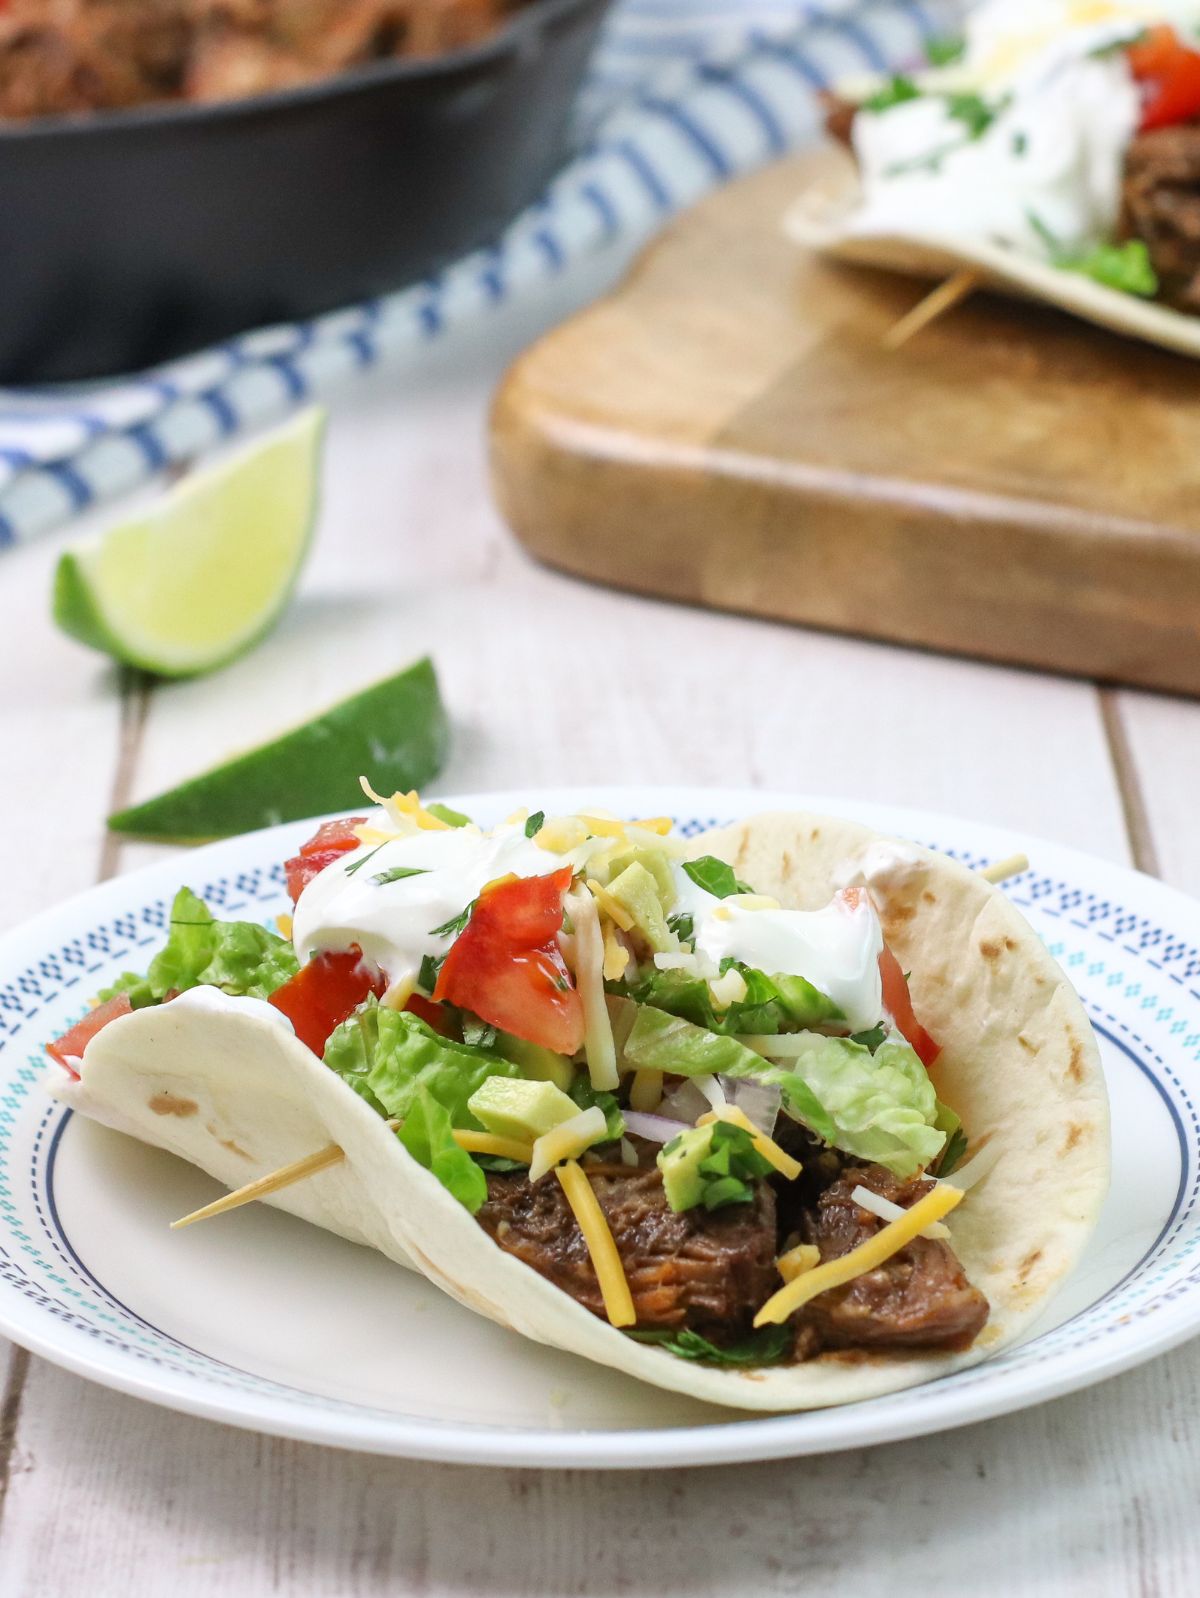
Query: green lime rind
point(199, 578)
point(395, 732)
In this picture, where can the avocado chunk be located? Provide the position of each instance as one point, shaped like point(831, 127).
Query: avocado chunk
point(510, 1107)
point(657, 863)
point(680, 1161)
point(636, 891)
point(538, 1063)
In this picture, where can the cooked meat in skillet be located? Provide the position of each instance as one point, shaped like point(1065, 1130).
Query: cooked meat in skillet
point(67, 56)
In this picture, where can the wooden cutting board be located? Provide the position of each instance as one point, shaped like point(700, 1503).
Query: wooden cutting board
point(726, 429)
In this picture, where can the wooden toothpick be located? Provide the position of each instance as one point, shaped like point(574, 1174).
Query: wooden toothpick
point(936, 303)
point(271, 1183)
point(1001, 870)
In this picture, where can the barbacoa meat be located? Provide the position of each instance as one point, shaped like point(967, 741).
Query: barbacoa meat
point(707, 1271)
point(712, 1272)
point(919, 1298)
point(1161, 205)
point(59, 57)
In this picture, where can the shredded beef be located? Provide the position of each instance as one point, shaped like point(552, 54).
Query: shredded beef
point(1161, 205)
point(707, 1271)
point(93, 55)
point(919, 1298)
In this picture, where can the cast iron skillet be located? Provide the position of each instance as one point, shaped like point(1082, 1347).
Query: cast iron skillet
point(132, 236)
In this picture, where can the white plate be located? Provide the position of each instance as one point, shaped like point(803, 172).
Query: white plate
point(264, 1322)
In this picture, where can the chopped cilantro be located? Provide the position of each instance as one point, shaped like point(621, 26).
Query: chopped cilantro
point(428, 974)
point(456, 924)
point(479, 1034)
point(358, 864)
point(714, 876)
point(535, 823)
point(973, 111)
point(956, 1147)
point(895, 92)
point(1126, 267)
point(452, 818)
point(871, 1039)
point(398, 873)
point(683, 926)
point(945, 52)
point(766, 1347)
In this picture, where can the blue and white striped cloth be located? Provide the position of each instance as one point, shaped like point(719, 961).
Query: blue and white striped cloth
point(682, 96)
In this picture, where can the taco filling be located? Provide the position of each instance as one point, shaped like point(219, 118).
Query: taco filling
point(1066, 131)
point(706, 1118)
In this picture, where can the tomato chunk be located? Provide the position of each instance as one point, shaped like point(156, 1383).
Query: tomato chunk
point(897, 1001)
point(324, 992)
point(331, 839)
point(506, 967)
point(432, 1014)
point(71, 1045)
point(1169, 73)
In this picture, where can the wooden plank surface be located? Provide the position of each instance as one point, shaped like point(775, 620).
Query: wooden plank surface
point(1013, 483)
point(1093, 1496)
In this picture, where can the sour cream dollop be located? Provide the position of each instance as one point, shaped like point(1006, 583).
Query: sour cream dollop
point(837, 949)
point(394, 922)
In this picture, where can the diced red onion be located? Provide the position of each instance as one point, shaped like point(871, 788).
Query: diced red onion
point(758, 1101)
point(654, 1128)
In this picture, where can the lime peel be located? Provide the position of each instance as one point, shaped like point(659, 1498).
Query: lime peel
point(396, 730)
point(205, 572)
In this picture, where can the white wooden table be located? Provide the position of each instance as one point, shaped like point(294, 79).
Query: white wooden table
point(1097, 1494)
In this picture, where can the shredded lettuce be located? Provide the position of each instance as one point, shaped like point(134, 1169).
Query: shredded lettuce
point(772, 1003)
point(388, 1056)
point(240, 957)
point(428, 1135)
point(880, 1107)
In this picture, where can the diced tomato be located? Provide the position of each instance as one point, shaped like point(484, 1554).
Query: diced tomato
point(506, 966)
point(331, 839)
point(71, 1045)
point(1169, 73)
point(324, 992)
point(432, 1014)
point(897, 1001)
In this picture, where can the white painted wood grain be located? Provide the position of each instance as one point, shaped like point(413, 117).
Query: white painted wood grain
point(1164, 738)
point(1093, 1497)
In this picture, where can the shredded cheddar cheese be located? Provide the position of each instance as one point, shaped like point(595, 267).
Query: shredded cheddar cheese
point(646, 1091)
point(599, 1045)
point(766, 1146)
point(866, 1257)
point(616, 956)
point(506, 1148)
point(659, 824)
point(798, 1260)
point(601, 1246)
point(399, 992)
point(613, 908)
point(567, 1141)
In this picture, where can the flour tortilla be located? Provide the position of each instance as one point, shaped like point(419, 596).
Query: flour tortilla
point(1019, 1063)
point(825, 219)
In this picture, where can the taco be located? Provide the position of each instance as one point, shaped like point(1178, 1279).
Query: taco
point(784, 1116)
point(1054, 152)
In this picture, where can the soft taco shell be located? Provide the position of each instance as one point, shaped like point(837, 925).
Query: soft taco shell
point(824, 219)
point(1019, 1063)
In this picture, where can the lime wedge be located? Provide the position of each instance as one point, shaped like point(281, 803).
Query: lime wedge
point(206, 571)
point(394, 732)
